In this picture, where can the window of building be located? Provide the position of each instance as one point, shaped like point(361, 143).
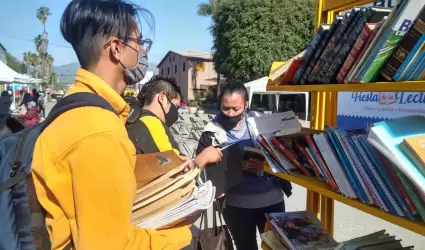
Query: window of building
point(174, 58)
point(168, 70)
point(175, 69)
point(184, 67)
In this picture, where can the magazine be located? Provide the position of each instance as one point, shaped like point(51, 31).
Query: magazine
point(301, 230)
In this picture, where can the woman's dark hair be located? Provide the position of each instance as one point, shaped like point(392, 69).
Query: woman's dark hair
point(231, 88)
point(85, 24)
point(156, 85)
point(5, 93)
point(35, 93)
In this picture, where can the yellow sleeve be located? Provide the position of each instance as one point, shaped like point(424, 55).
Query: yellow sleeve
point(104, 186)
point(158, 134)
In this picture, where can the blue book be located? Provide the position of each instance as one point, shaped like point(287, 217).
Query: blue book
point(398, 76)
point(347, 165)
point(415, 64)
point(376, 178)
point(386, 176)
point(386, 136)
point(419, 69)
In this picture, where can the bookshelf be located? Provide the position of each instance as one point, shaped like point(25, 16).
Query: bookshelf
point(320, 198)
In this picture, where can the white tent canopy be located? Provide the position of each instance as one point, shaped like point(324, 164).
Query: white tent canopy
point(8, 75)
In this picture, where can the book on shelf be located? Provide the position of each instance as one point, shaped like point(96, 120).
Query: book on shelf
point(301, 230)
point(364, 45)
point(371, 166)
point(167, 191)
point(399, 60)
point(279, 72)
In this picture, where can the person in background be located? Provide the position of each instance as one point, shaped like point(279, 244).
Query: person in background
point(31, 117)
point(26, 98)
point(42, 104)
point(35, 96)
point(246, 203)
point(5, 103)
point(83, 162)
point(160, 100)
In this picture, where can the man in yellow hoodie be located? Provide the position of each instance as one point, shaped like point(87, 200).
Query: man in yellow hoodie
point(83, 162)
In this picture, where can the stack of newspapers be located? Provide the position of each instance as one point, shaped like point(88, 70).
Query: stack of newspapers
point(173, 194)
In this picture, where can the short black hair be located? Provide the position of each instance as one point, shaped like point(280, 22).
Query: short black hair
point(5, 93)
point(234, 87)
point(157, 84)
point(85, 24)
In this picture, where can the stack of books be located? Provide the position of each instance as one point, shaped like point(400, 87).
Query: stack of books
point(364, 45)
point(385, 168)
point(167, 191)
point(302, 230)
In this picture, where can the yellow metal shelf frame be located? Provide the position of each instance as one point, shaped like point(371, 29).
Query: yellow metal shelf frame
point(324, 189)
point(408, 86)
point(320, 199)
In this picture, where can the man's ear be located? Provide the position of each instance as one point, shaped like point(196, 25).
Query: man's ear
point(116, 49)
point(246, 105)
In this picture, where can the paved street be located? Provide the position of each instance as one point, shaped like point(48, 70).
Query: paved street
point(349, 222)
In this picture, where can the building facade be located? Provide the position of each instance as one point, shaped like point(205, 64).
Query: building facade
point(3, 52)
point(192, 70)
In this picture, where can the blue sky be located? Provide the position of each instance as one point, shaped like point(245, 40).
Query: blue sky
point(177, 27)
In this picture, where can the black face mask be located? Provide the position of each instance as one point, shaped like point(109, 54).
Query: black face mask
point(172, 116)
point(231, 120)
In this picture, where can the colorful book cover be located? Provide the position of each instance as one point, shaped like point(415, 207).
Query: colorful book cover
point(301, 230)
point(406, 46)
point(392, 37)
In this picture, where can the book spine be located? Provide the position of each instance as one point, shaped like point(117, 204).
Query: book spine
point(407, 63)
point(347, 46)
point(335, 52)
point(353, 70)
point(285, 151)
point(419, 70)
point(354, 53)
point(414, 65)
point(402, 52)
point(307, 157)
point(374, 43)
point(396, 34)
point(320, 49)
point(323, 63)
point(308, 54)
point(320, 160)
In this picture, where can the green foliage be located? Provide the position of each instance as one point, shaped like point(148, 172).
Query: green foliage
point(42, 14)
point(15, 64)
point(250, 34)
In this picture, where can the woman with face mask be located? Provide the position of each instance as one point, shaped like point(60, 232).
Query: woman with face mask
point(246, 203)
point(150, 120)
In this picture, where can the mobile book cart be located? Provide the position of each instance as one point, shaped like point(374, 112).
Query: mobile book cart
point(320, 197)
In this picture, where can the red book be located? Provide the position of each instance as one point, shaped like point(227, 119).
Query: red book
point(316, 151)
point(290, 73)
point(288, 154)
point(307, 157)
point(355, 51)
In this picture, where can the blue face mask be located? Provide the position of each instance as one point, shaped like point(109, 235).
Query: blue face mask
point(138, 72)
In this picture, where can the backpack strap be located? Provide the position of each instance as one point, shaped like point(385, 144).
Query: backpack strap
point(77, 100)
point(73, 101)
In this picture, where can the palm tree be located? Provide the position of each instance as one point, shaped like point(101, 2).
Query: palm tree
point(37, 42)
point(42, 14)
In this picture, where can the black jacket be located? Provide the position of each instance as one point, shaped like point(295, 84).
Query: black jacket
point(5, 103)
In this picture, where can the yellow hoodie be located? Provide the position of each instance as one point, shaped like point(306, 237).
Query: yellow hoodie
point(83, 174)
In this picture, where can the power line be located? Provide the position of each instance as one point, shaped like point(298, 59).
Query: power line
point(50, 44)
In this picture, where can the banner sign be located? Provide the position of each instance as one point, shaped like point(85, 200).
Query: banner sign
point(357, 109)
